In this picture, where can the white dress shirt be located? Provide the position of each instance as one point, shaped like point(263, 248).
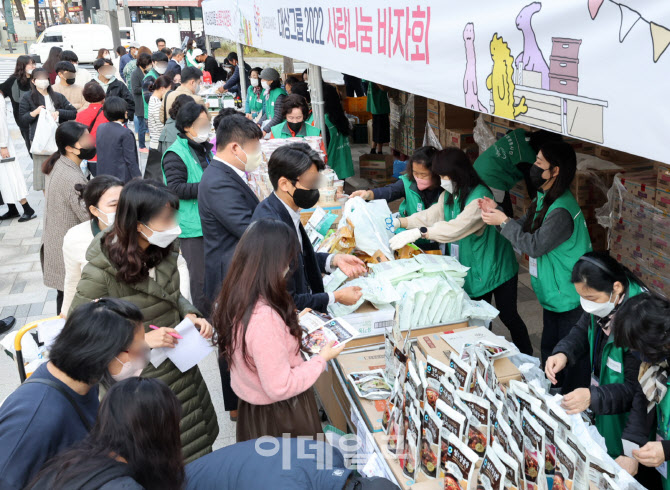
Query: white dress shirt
point(295, 217)
point(241, 173)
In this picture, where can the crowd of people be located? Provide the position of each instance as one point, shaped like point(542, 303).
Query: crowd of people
point(134, 251)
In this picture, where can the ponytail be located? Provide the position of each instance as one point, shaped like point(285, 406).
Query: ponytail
point(49, 163)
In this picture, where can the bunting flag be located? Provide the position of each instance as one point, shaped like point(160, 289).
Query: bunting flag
point(629, 18)
point(661, 39)
point(660, 35)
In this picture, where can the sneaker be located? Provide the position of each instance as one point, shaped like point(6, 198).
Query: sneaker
point(27, 217)
point(10, 215)
point(144, 150)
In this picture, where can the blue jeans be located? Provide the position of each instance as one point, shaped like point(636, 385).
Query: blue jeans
point(141, 129)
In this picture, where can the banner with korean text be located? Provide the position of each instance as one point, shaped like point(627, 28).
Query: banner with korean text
point(597, 70)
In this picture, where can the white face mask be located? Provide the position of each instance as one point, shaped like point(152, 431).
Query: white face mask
point(265, 85)
point(253, 160)
point(181, 64)
point(254, 82)
point(447, 185)
point(29, 71)
point(598, 309)
point(42, 84)
point(76, 67)
point(163, 239)
point(130, 369)
point(110, 217)
point(160, 69)
point(202, 136)
point(196, 88)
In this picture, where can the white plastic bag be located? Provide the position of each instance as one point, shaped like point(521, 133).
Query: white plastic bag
point(44, 141)
point(372, 227)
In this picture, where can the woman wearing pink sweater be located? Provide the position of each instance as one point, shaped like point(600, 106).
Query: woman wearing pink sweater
point(259, 336)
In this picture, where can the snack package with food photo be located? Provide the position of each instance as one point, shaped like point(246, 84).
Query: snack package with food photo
point(513, 477)
point(564, 473)
point(435, 371)
point(599, 468)
point(462, 372)
point(394, 358)
point(496, 411)
point(517, 431)
point(394, 400)
point(394, 444)
point(533, 452)
point(479, 424)
point(491, 473)
point(452, 421)
point(411, 453)
point(502, 433)
point(457, 465)
point(414, 380)
point(371, 384)
point(550, 427)
point(582, 462)
point(430, 448)
point(317, 332)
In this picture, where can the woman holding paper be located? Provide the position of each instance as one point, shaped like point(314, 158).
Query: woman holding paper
point(136, 259)
point(259, 334)
point(456, 219)
point(554, 235)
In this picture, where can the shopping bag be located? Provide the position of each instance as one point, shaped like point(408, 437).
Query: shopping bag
point(44, 141)
point(372, 228)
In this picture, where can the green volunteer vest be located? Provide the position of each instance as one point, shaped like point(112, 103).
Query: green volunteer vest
point(188, 214)
point(255, 105)
point(412, 204)
point(339, 151)
point(611, 426)
point(663, 425)
point(281, 131)
point(310, 119)
point(489, 255)
point(552, 284)
point(150, 73)
point(270, 102)
point(497, 166)
point(378, 100)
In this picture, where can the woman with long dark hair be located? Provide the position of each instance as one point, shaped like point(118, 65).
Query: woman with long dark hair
point(137, 259)
point(260, 338)
point(42, 97)
point(134, 443)
point(51, 62)
point(554, 235)
point(158, 89)
point(62, 207)
point(456, 219)
point(16, 85)
point(102, 342)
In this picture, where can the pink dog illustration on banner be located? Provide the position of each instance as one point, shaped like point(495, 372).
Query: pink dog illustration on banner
point(531, 58)
point(470, 79)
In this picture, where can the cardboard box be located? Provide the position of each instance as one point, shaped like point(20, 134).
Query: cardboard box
point(660, 241)
point(452, 116)
point(659, 264)
point(433, 105)
point(626, 247)
point(435, 346)
point(433, 118)
point(333, 398)
point(612, 155)
point(333, 207)
point(637, 212)
point(663, 178)
point(661, 285)
point(641, 185)
point(376, 162)
point(463, 139)
point(663, 199)
point(370, 321)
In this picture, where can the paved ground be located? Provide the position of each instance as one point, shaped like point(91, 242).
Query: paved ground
point(23, 295)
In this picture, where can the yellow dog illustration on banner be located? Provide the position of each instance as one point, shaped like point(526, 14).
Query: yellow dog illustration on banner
point(501, 81)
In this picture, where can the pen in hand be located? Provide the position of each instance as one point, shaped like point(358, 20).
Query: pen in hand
point(173, 334)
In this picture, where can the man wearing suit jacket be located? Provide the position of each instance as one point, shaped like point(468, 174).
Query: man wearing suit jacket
point(226, 204)
point(294, 173)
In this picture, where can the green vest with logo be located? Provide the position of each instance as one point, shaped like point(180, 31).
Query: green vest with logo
point(663, 425)
point(611, 372)
point(497, 166)
point(255, 104)
point(488, 254)
point(552, 285)
point(339, 152)
point(188, 214)
point(150, 73)
point(281, 130)
point(412, 204)
point(270, 102)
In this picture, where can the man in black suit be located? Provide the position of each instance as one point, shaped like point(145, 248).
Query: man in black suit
point(294, 173)
point(226, 204)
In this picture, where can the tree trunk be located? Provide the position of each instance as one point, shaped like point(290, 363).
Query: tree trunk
point(19, 9)
point(37, 14)
point(51, 12)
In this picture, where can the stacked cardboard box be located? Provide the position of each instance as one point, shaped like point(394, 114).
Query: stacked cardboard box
point(408, 122)
point(378, 168)
point(357, 106)
point(463, 139)
point(445, 119)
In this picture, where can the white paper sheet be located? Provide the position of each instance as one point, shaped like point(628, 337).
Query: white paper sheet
point(49, 330)
point(190, 350)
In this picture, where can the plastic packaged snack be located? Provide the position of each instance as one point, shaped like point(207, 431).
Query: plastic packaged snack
point(370, 384)
point(430, 448)
point(492, 472)
point(414, 381)
point(462, 372)
point(564, 473)
point(457, 465)
point(334, 281)
point(582, 462)
point(513, 479)
point(411, 454)
point(452, 421)
point(394, 444)
point(435, 370)
point(533, 452)
point(550, 427)
point(479, 427)
point(396, 270)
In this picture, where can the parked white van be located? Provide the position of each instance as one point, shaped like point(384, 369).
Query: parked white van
point(84, 39)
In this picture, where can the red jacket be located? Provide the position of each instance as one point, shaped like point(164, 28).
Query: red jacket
point(86, 117)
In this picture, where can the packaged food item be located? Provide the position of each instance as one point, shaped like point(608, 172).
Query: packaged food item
point(526, 400)
point(564, 473)
point(496, 411)
point(394, 444)
point(462, 372)
point(371, 384)
point(411, 454)
point(562, 418)
point(479, 424)
point(502, 433)
point(452, 421)
point(395, 359)
point(609, 483)
point(396, 398)
point(435, 370)
point(599, 468)
point(491, 473)
point(533, 452)
point(333, 281)
point(582, 462)
point(550, 427)
point(513, 479)
point(314, 337)
point(397, 270)
point(517, 432)
point(457, 465)
point(414, 381)
point(430, 448)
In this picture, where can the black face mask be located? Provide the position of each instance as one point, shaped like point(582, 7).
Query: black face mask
point(305, 198)
point(70, 81)
point(295, 127)
point(536, 176)
point(86, 153)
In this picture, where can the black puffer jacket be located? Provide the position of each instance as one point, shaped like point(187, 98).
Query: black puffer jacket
point(176, 174)
point(608, 399)
point(118, 89)
point(66, 111)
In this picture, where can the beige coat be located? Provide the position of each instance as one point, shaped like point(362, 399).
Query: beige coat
point(73, 93)
point(62, 211)
point(171, 96)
